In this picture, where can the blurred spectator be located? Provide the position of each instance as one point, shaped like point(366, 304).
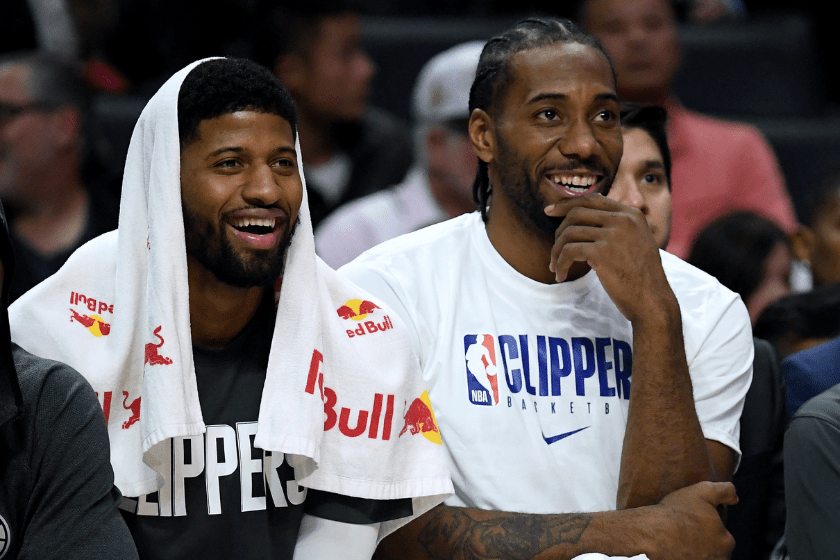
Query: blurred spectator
point(350, 149)
point(718, 166)
point(748, 254)
point(812, 476)
point(53, 208)
point(643, 179)
point(810, 372)
point(439, 184)
point(816, 244)
point(800, 321)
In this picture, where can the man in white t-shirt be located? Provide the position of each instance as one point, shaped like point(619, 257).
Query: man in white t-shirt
point(551, 453)
point(439, 184)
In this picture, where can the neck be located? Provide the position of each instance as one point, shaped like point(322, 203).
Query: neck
point(53, 217)
point(218, 312)
point(316, 143)
point(526, 250)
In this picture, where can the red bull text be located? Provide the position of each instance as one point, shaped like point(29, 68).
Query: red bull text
point(358, 310)
point(366, 421)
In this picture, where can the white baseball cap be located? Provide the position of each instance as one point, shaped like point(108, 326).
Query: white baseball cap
point(442, 90)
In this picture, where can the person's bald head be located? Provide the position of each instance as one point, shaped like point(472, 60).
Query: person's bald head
point(641, 39)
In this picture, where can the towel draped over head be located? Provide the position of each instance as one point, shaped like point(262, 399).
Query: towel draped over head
point(118, 312)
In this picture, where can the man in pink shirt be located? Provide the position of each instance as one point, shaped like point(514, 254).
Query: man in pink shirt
point(718, 166)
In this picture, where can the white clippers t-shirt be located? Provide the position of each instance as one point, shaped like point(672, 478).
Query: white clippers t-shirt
point(530, 382)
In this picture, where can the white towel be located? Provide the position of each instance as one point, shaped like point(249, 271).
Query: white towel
point(118, 312)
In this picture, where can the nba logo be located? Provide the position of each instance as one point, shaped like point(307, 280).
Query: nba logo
point(482, 375)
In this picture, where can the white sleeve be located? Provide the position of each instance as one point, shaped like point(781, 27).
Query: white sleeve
point(719, 349)
point(323, 538)
point(380, 281)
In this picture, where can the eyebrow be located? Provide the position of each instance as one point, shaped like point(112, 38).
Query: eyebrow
point(654, 164)
point(562, 97)
point(239, 150)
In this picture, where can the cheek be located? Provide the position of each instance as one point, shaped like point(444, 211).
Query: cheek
point(661, 206)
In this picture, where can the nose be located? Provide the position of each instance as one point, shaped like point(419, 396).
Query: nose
point(262, 187)
point(579, 141)
point(637, 35)
point(626, 191)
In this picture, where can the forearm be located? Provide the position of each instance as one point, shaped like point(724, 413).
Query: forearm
point(664, 447)
point(473, 534)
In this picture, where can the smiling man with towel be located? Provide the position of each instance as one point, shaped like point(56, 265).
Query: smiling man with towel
point(201, 361)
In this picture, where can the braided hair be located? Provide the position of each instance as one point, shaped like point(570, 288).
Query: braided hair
point(493, 75)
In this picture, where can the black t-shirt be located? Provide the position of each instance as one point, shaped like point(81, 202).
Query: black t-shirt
point(225, 498)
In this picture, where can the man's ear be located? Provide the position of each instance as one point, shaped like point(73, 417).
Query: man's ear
point(291, 70)
point(802, 242)
point(482, 135)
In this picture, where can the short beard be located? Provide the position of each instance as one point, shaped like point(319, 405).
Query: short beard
point(213, 251)
point(524, 191)
point(520, 188)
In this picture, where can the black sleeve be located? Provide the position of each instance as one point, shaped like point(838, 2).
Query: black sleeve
point(812, 487)
point(359, 511)
point(72, 511)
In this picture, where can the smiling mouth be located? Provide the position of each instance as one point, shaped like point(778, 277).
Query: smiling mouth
point(254, 226)
point(575, 184)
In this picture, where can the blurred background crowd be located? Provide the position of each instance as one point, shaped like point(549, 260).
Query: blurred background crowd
point(751, 87)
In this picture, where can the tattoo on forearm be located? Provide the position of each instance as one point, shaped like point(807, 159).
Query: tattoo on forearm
point(455, 534)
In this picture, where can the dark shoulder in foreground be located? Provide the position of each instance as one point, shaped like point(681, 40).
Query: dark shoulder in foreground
point(35, 373)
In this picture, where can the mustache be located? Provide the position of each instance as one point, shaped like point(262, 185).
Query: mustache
point(576, 165)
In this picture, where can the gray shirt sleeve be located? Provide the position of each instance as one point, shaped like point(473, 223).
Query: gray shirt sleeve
point(812, 480)
point(72, 509)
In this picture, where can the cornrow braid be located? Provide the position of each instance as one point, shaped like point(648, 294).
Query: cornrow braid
point(493, 75)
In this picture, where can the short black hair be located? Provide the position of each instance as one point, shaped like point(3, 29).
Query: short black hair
point(653, 119)
point(493, 75)
point(734, 248)
point(795, 317)
point(292, 27)
point(227, 85)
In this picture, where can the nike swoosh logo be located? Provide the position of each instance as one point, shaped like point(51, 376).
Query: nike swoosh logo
point(552, 439)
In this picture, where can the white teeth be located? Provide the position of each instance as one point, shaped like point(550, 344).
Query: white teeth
point(245, 222)
point(574, 180)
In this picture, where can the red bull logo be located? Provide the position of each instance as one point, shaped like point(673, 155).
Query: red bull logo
point(420, 419)
point(94, 323)
point(153, 357)
point(358, 310)
point(134, 408)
